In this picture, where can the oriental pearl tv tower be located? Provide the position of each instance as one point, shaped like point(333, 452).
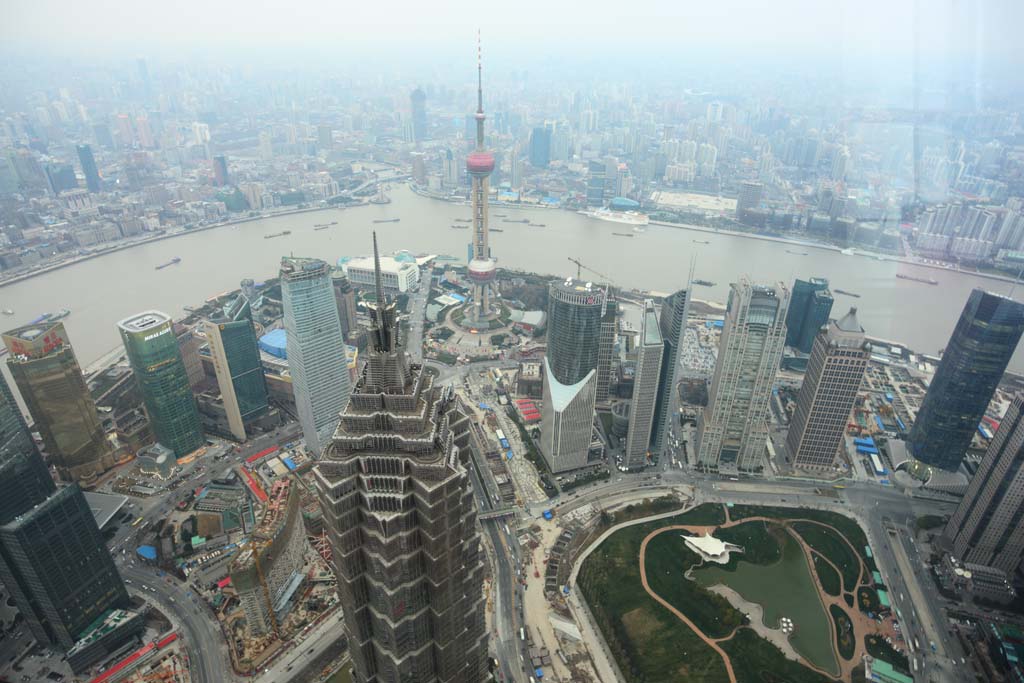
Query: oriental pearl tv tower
point(479, 164)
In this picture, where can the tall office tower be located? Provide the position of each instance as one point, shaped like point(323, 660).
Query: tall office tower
point(60, 177)
point(987, 526)
point(606, 349)
point(674, 312)
point(982, 344)
point(575, 313)
point(540, 147)
point(236, 360)
point(44, 367)
point(809, 309)
point(266, 146)
point(104, 138)
point(479, 164)
point(399, 511)
point(52, 556)
point(418, 105)
point(156, 361)
point(345, 298)
point(515, 167)
point(733, 429)
point(317, 358)
point(840, 163)
point(650, 352)
point(89, 170)
point(268, 570)
point(220, 170)
point(749, 198)
point(835, 369)
point(188, 345)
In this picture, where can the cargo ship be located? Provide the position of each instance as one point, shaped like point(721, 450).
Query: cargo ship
point(628, 217)
point(277, 234)
point(796, 253)
point(914, 278)
point(61, 314)
point(516, 220)
point(321, 227)
point(701, 242)
point(174, 261)
point(843, 291)
point(623, 234)
point(538, 225)
point(463, 220)
point(704, 283)
point(501, 215)
point(386, 220)
point(43, 317)
point(460, 227)
point(8, 311)
point(496, 229)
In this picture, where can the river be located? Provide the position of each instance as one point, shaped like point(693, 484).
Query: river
point(104, 290)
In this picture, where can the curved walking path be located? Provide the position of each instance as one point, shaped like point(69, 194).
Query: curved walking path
point(858, 620)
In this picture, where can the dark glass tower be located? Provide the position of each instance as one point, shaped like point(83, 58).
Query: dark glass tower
point(399, 509)
point(418, 104)
point(161, 375)
point(809, 308)
point(236, 360)
point(52, 555)
point(674, 312)
point(575, 311)
point(89, 170)
point(982, 344)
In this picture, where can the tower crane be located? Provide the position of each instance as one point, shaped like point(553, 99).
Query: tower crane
point(581, 267)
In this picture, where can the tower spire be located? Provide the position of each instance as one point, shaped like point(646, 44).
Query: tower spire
point(376, 273)
point(479, 93)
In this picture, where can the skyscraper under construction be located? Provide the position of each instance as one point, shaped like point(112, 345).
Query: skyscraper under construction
point(398, 505)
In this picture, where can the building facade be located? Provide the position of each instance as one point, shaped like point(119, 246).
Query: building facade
point(53, 558)
point(397, 276)
point(972, 365)
point(567, 420)
point(839, 357)
point(236, 361)
point(650, 353)
point(576, 310)
point(345, 297)
point(268, 572)
point(988, 525)
point(606, 350)
point(400, 514)
point(674, 312)
point(163, 380)
point(317, 357)
point(733, 428)
point(46, 371)
point(750, 198)
point(809, 309)
point(89, 170)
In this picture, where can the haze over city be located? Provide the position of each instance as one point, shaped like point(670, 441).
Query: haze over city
point(590, 342)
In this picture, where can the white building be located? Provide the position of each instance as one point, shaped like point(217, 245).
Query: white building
point(567, 421)
point(398, 275)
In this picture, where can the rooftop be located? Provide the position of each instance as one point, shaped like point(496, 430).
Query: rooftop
point(141, 322)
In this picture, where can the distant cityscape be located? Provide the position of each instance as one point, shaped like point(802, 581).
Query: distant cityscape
point(410, 465)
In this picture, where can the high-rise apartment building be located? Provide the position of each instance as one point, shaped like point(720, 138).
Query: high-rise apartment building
point(89, 169)
point(220, 170)
point(975, 358)
point(317, 357)
point(540, 147)
point(418, 107)
point(809, 310)
point(236, 361)
point(733, 428)
point(839, 357)
point(674, 312)
point(650, 352)
point(53, 559)
point(47, 374)
point(988, 525)
point(160, 373)
point(400, 514)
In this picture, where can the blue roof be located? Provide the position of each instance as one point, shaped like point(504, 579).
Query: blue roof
point(548, 514)
point(508, 455)
point(878, 420)
point(275, 343)
point(289, 463)
point(624, 203)
point(146, 552)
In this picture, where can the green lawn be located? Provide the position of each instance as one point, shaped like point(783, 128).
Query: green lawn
point(830, 580)
point(342, 675)
point(755, 660)
point(784, 588)
point(829, 544)
point(867, 599)
point(846, 526)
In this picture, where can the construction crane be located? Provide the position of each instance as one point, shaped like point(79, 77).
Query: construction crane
point(580, 267)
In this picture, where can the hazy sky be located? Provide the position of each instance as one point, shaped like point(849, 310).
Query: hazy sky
point(716, 29)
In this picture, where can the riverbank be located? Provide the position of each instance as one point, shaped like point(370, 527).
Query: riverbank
point(158, 238)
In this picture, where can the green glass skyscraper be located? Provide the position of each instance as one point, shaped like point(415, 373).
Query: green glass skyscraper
point(809, 308)
point(236, 360)
point(160, 372)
